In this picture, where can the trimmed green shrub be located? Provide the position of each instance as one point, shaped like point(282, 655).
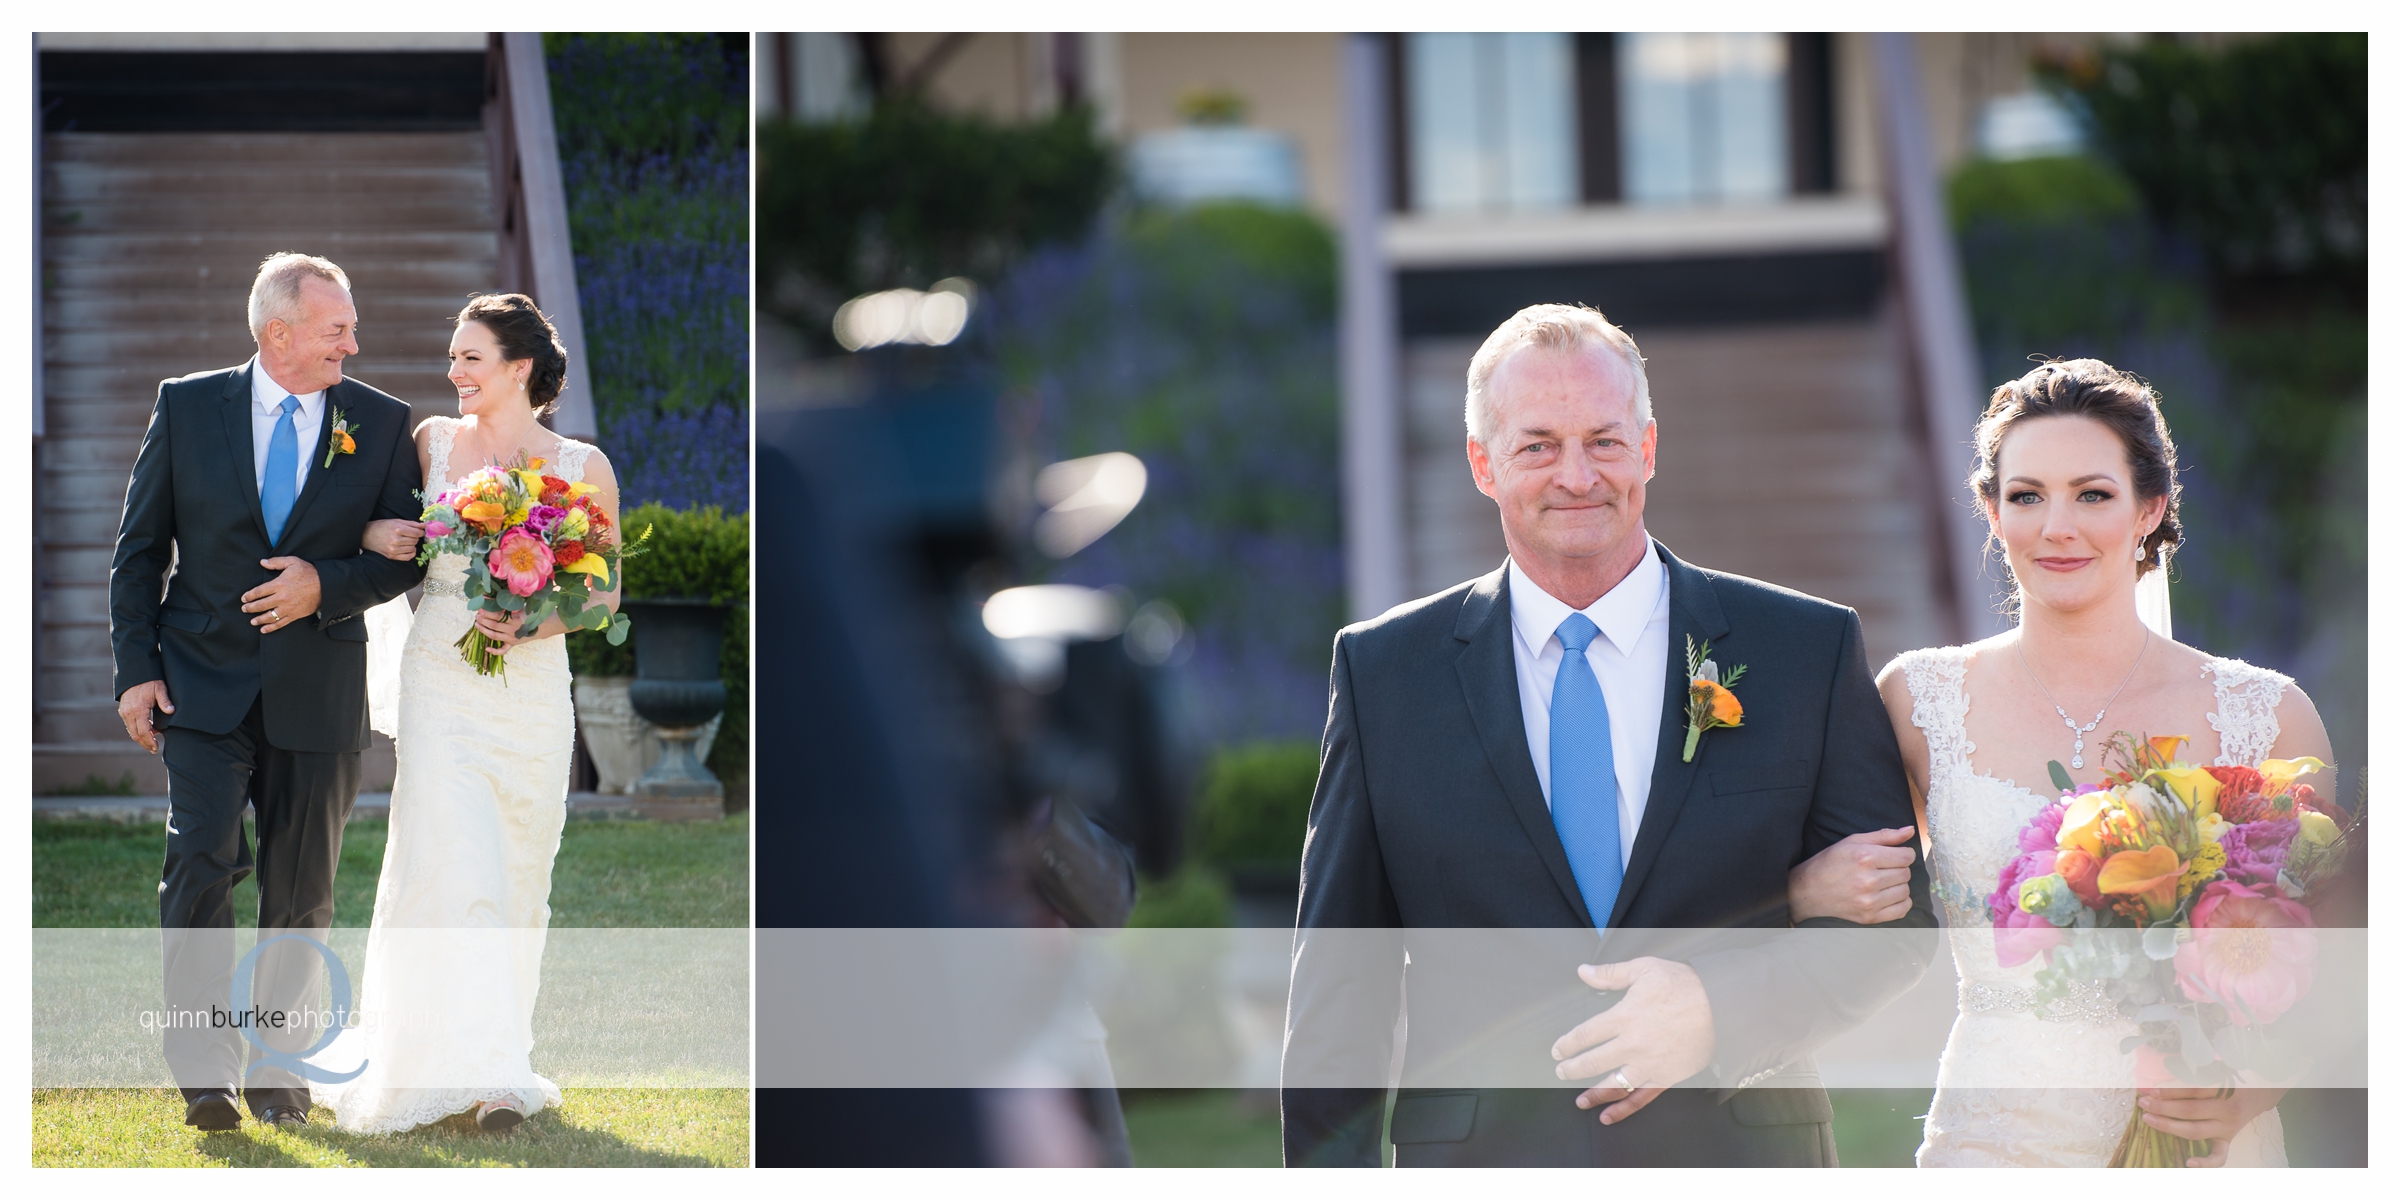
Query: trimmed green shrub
point(701, 552)
point(1254, 808)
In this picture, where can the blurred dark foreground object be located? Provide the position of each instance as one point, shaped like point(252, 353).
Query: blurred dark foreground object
point(915, 772)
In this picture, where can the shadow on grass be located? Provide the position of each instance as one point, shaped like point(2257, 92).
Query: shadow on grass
point(594, 1128)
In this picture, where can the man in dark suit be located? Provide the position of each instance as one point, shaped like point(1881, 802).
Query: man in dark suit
point(234, 605)
point(1510, 761)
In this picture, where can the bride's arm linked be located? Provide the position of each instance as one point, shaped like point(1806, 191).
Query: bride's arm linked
point(598, 473)
point(397, 539)
point(1863, 878)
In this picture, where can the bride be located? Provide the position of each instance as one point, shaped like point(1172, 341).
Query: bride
point(454, 954)
point(2076, 475)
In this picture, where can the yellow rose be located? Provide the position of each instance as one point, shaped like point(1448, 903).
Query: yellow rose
point(575, 524)
point(2319, 829)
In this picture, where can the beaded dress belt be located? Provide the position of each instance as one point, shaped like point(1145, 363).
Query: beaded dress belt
point(2084, 1003)
point(445, 587)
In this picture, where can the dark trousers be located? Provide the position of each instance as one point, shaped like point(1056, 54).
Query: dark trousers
point(301, 801)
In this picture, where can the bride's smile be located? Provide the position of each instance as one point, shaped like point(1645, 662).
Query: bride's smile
point(478, 370)
point(2066, 510)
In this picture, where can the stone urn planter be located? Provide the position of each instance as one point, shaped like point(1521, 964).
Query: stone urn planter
point(622, 744)
point(679, 687)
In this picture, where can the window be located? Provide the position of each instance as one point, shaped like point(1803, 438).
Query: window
point(1703, 117)
point(1491, 121)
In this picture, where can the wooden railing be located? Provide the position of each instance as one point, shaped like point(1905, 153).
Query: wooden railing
point(529, 194)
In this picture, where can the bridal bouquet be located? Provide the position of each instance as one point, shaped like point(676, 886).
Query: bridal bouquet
point(2180, 893)
point(535, 545)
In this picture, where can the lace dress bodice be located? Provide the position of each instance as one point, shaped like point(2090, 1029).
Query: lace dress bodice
point(1984, 1111)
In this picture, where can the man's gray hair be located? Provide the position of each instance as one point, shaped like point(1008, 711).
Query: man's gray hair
point(1569, 327)
point(275, 294)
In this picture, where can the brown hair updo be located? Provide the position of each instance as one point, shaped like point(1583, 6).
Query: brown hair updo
point(2087, 387)
point(523, 333)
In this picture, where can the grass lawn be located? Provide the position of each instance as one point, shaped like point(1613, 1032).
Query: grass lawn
point(610, 874)
point(1238, 1129)
point(596, 1127)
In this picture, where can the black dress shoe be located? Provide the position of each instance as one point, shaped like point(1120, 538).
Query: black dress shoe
point(212, 1112)
point(284, 1116)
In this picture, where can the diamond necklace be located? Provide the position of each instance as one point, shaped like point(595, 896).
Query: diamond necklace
point(2080, 730)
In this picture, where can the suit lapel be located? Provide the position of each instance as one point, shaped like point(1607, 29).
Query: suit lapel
point(317, 470)
point(236, 413)
point(1487, 673)
point(1692, 612)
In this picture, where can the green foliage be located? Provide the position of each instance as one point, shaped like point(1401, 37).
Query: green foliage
point(2256, 151)
point(2039, 190)
point(911, 195)
point(1254, 807)
point(644, 94)
point(93, 785)
point(1192, 898)
point(703, 553)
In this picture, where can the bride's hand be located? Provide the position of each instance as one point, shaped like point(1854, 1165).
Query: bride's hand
point(1862, 878)
point(393, 539)
point(502, 629)
point(2205, 1114)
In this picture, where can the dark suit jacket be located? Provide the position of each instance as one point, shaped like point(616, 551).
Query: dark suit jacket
point(190, 545)
point(1428, 816)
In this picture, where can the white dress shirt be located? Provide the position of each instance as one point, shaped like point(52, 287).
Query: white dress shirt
point(1629, 656)
point(266, 397)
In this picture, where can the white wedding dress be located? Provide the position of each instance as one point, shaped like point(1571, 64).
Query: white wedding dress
point(453, 963)
point(1984, 1114)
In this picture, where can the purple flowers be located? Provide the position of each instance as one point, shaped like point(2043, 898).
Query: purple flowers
point(2255, 853)
point(543, 518)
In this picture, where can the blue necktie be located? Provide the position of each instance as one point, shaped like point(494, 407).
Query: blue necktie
point(276, 491)
point(1583, 773)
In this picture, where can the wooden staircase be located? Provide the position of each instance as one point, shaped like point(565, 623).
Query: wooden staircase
point(149, 244)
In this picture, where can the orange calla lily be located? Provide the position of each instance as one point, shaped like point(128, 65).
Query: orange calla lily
point(2149, 874)
point(2166, 748)
point(2280, 773)
point(483, 514)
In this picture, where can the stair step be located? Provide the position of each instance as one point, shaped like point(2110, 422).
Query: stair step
point(215, 152)
point(66, 183)
point(402, 213)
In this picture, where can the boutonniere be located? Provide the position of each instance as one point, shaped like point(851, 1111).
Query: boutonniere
point(1712, 703)
point(341, 442)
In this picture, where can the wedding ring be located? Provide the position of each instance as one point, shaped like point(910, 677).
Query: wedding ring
point(1622, 1084)
point(272, 615)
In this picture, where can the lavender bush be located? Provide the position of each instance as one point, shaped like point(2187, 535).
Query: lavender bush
point(1202, 342)
point(653, 143)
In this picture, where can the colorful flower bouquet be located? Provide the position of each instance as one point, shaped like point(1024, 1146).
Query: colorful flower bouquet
point(2180, 893)
point(535, 545)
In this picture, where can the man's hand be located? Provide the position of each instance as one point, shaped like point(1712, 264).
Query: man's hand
point(1659, 1034)
point(286, 598)
point(1862, 878)
point(134, 707)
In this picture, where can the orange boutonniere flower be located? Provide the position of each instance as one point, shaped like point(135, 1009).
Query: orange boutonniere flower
point(340, 442)
point(1713, 705)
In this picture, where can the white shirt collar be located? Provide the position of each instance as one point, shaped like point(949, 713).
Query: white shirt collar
point(266, 395)
point(1622, 614)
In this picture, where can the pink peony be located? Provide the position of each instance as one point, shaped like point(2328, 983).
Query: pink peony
point(522, 561)
point(2249, 945)
point(2018, 936)
point(2041, 833)
point(2040, 862)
